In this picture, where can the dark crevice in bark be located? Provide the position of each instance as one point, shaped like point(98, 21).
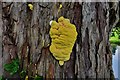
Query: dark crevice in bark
point(97, 43)
point(44, 56)
point(7, 9)
point(86, 52)
point(23, 53)
point(70, 65)
point(38, 57)
point(112, 14)
point(29, 56)
point(90, 63)
point(74, 55)
point(77, 20)
point(108, 52)
point(99, 20)
point(96, 53)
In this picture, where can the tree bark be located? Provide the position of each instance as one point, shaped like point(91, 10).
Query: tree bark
point(1, 68)
point(25, 34)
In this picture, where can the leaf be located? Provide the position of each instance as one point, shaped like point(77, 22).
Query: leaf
point(37, 77)
point(2, 78)
point(22, 73)
point(12, 67)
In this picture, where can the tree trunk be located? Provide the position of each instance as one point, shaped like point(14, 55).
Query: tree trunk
point(24, 33)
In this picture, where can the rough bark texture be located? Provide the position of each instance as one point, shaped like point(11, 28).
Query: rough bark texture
point(25, 34)
point(1, 68)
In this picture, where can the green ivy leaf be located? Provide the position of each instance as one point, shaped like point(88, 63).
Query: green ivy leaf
point(12, 67)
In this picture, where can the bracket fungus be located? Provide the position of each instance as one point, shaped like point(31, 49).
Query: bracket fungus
point(63, 35)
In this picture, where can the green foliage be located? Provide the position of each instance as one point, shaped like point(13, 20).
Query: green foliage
point(23, 73)
point(2, 78)
point(116, 32)
point(115, 36)
point(12, 67)
point(37, 77)
point(117, 42)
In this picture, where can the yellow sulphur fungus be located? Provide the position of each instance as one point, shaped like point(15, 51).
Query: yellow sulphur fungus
point(30, 6)
point(60, 6)
point(26, 78)
point(63, 35)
